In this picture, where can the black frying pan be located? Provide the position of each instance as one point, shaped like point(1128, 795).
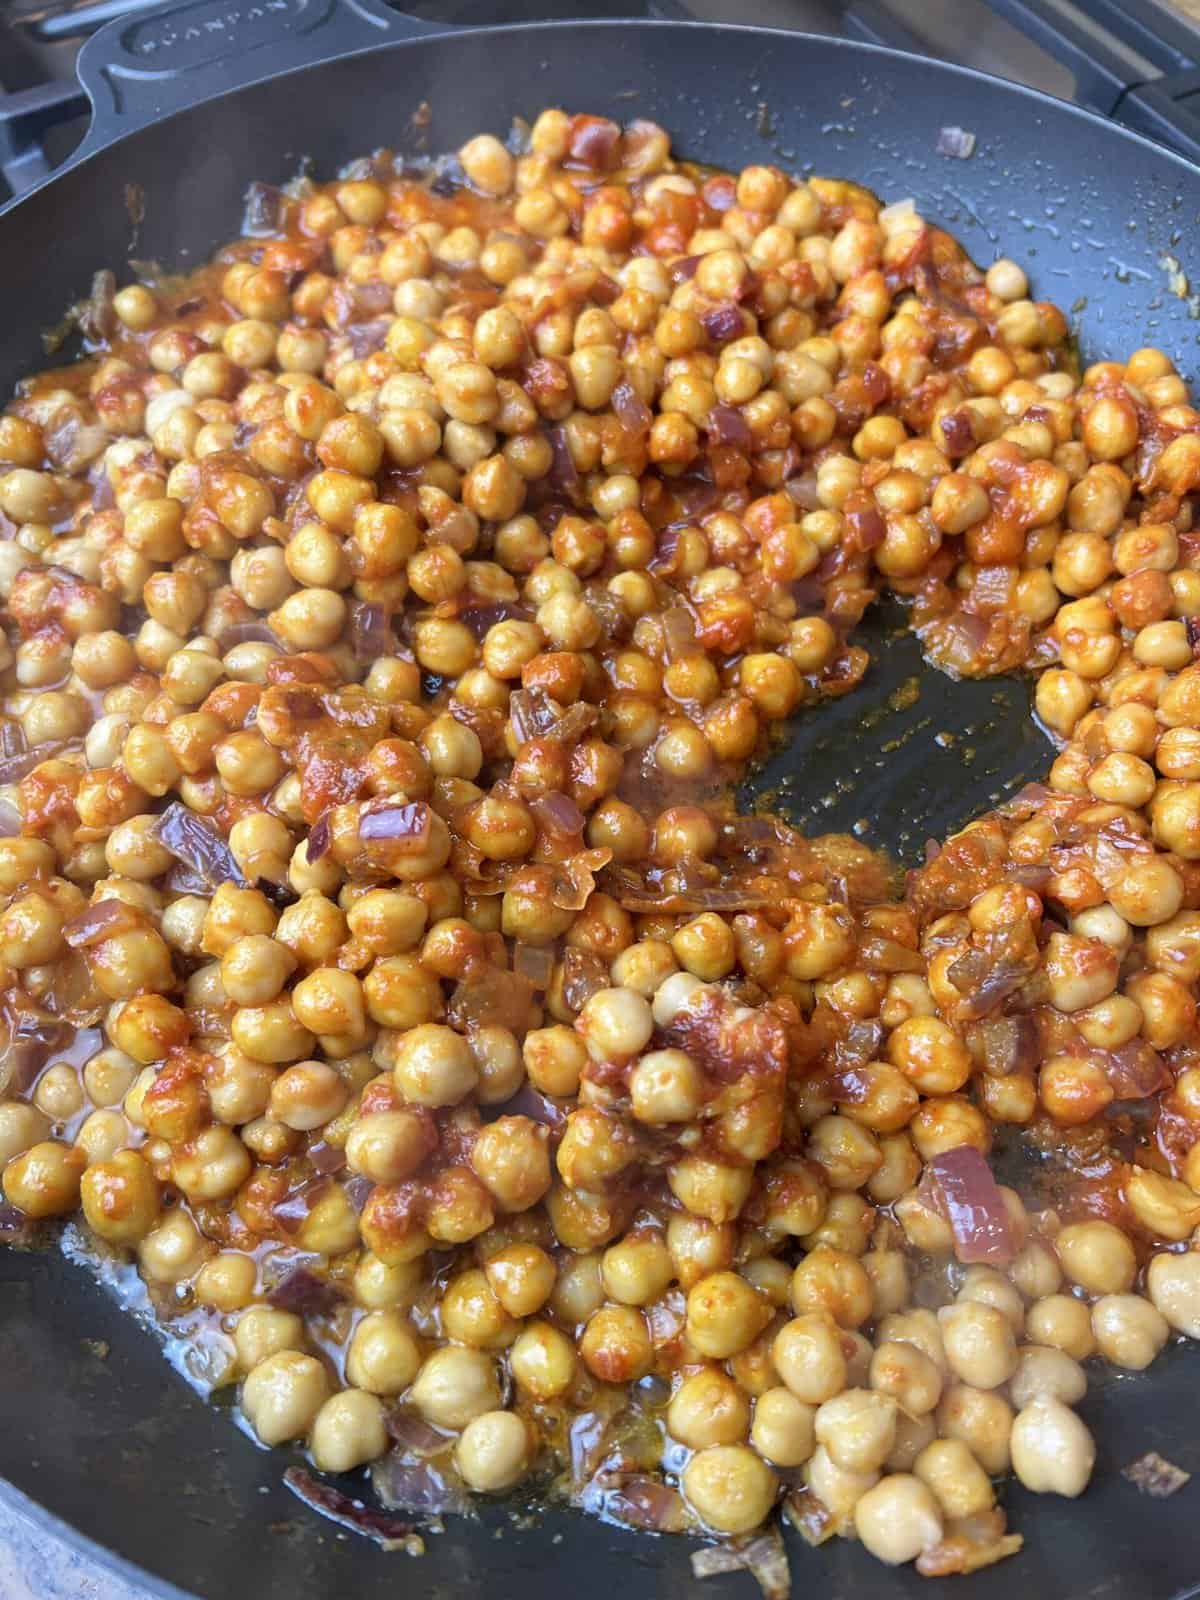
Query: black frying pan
point(116, 1450)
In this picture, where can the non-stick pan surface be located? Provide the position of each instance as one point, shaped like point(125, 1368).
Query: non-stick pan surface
point(96, 1430)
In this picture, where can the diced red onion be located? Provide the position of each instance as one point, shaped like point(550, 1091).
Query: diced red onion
point(631, 410)
point(194, 840)
point(14, 768)
point(320, 838)
point(574, 879)
point(30, 1045)
point(405, 825)
point(563, 474)
point(102, 920)
point(367, 337)
point(958, 143)
point(1008, 1044)
point(97, 319)
point(304, 1293)
point(558, 815)
point(15, 1227)
point(683, 268)
point(648, 1503)
point(763, 1556)
point(370, 636)
point(417, 1486)
point(593, 141)
point(292, 1211)
point(482, 616)
point(973, 1205)
point(727, 425)
point(1135, 1070)
point(413, 1434)
point(865, 527)
point(534, 964)
point(326, 1158)
point(253, 631)
point(386, 1531)
point(723, 323)
point(679, 633)
point(1191, 627)
point(584, 973)
point(530, 1102)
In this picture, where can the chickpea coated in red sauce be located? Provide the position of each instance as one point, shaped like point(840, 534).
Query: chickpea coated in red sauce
point(387, 975)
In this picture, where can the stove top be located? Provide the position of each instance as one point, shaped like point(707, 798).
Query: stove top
point(1137, 61)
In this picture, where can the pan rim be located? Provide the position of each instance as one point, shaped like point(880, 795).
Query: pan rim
point(1041, 98)
point(33, 1511)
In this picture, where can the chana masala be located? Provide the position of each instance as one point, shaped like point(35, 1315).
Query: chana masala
point(387, 974)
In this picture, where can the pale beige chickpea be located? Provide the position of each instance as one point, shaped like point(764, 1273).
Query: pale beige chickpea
point(386, 1146)
point(472, 1314)
point(1052, 1450)
point(913, 1435)
point(907, 1374)
point(1006, 280)
point(637, 1269)
point(21, 1127)
point(283, 1394)
point(666, 1086)
point(961, 1486)
point(725, 1314)
point(434, 1066)
point(712, 1190)
point(809, 1357)
point(1097, 1256)
point(729, 1488)
point(989, 1287)
point(616, 1345)
point(174, 1251)
point(100, 1135)
point(858, 1429)
point(542, 1361)
point(495, 1451)
point(347, 1431)
point(898, 1518)
point(384, 1286)
point(615, 1023)
point(59, 1094)
point(226, 1282)
point(511, 1157)
point(1062, 1322)
point(708, 1408)
point(554, 1057)
point(838, 1491)
point(1130, 1331)
point(212, 1165)
point(1035, 1270)
point(1173, 1283)
point(982, 1419)
point(782, 1430)
point(522, 1278)
point(455, 1385)
point(307, 1095)
point(1041, 1369)
point(255, 969)
point(43, 1181)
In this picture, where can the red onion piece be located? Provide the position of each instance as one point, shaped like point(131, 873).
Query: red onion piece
point(1008, 1045)
point(727, 425)
point(305, 1294)
point(1136, 1070)
point(534, 964)
point(413, 1434)
point(326, 1158)
point(530, 1102)
point(194, 840)
point(592, 142)
point(563, 472)
point(958, 143)
point(696, 496)
point(30, 1045)
point(683, 268)
point(100, 921)
point(973, 1205)
point(367, 337)
point(320, 838)
point(558, 815)
point(648, 1503)
point(370, 636)
point(386, 1531)
point(16, 1229)
point(802, 490)
point(584, 973)
point(407, 825)
point(574, 879)
point(14, 768)
point(254, 631)
point(417, 1486)
point(866, 529)
point(266, 207)
point(479, 616)
point(631, 410)
point(292, 1211)
point(763, 1556)
point(1191, 627)
point(679, 633)
point(723, 323)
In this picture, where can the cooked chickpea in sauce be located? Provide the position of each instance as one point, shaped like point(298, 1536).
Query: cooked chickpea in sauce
point(390, 984)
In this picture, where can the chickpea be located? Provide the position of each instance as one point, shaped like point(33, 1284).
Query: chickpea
point(1041, 1369)
point(858, 1429)
point(960, 1484)
point(725, 1314)
point(43, 1181)
point(1097, 1256)
point(982, 1419)
point(434, 1066)
point(809, 1357)
point(1052, 1450)
point(730, 1489)
point(455, 1385)
point(282, 1396)
point(542, 1361)
point(1173, 1282)
point(636, 1270)
point(1061, 1321)
point(616, 1345)
point(347, 1431)
point(708, 1408)
point(906, 1374)
point(898, 1518)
